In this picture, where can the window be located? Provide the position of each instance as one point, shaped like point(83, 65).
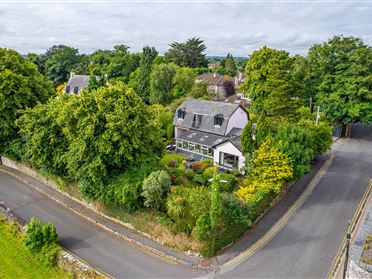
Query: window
point(204, 150)
point(218, 120)
point(179, 144)
point(191, 147)
point(68, 89)
point(229, 160)
point(197, 120)
point(181, 113)
point(76, 89)
point(197, 148)
point(210, 152)
point(185, 145)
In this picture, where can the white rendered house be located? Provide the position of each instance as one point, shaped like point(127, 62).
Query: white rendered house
point(211, 129)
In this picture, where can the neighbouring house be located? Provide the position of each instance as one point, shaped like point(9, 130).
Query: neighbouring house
point(211, 129)
point(215, 83)
point(76, 84)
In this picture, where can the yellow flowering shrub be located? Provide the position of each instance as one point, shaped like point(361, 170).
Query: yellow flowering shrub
point(271, 169)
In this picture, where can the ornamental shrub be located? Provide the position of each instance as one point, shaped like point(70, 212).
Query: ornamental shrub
point(230, 184)
point(202, 229)
point(155, 188)
point(189, 173)
point(38, 235)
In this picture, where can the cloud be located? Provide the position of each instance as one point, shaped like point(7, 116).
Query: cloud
point(238, 28)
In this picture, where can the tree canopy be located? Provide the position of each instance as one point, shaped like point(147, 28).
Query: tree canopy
point(161, 83)
point(61, 60)
point(270, 83)
point(188, 54)
point(341, 77)
point(21, 87)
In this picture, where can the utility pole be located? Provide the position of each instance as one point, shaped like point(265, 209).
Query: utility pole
point(348, 238)
point(317, 115)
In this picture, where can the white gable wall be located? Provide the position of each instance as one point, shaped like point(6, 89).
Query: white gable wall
point(228, 147)
point(238, 119)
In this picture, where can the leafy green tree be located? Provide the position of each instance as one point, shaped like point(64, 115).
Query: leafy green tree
point(21, 87)
point(341, 77)
point(99, 62)
point(122, 65)
point(247, 140)
point(38, 235)
point(61, 61)
point(161, 83)
point(297, 142)
point(108, 130)
point(155, 189)
point(44, 142)
point(183, 82)
point(270, 83)
point(165, 118)
point(263, 129)
point(227, 66)
point(199, 90)
point(143, 80)
point(321, 134)
point(188, 54)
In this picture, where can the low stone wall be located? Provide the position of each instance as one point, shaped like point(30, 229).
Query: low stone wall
point(27, 170)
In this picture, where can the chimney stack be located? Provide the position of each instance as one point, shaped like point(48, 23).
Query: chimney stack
point(72, 74)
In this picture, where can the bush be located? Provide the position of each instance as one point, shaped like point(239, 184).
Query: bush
point(48, 254)
point(230, 184)
point(39, 235)
point(199, 167)
point(235, 212)
point(202, 228)
point(209, 172)
point(199, 179)
point(155, 188)
point(189, 173)
point(172, 160)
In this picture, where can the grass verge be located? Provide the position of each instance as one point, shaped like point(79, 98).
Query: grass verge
point(16, 261)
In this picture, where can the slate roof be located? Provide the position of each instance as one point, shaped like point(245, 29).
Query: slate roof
point(80, 81)
point(211, 79)
point(208, 110)
point(201, 138)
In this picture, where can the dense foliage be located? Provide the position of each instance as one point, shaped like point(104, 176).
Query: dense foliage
point(271, 84)
point(340, 76)
point(155, 188)
point(21, 87)
point(188, 54)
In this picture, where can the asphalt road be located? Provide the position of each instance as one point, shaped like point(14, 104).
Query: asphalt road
point(304, 248)
point(98, 247)
point(307, 245)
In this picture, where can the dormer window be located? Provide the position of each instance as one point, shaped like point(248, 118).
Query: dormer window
point(67, 89)
point(76, 89)
point(218, 120)
point(181, 113)
point(197, 120)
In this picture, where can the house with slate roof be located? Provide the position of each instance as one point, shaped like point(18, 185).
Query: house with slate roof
point(210, 129)
point(77, 83)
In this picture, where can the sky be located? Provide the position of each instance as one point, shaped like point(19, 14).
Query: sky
point(237, 27)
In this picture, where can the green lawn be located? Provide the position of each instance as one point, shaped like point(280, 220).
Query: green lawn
point(16, 261)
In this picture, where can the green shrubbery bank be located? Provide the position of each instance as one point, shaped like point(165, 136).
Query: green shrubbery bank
point(107, 145)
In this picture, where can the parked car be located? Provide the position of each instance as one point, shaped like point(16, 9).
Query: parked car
point(171, 147)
